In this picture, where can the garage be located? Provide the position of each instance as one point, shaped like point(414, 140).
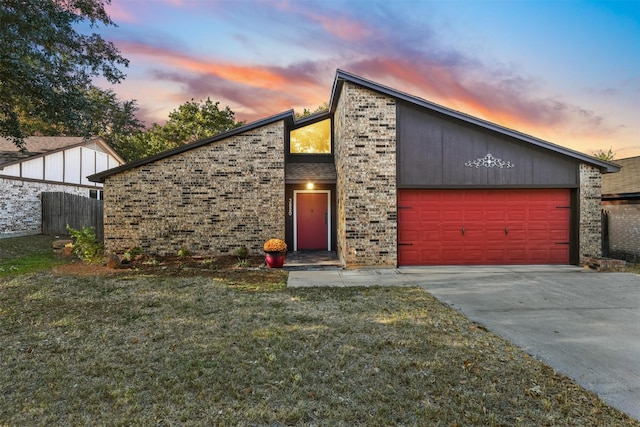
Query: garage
point(483, 226)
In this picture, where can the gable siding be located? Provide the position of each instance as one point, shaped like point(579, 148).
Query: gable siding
point(365, 157)
point(211, 199)
point(433, 151)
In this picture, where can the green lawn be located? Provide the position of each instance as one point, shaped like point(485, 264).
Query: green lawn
point(25, 254)
point(235, 347)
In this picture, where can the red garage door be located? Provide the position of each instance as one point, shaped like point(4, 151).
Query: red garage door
point(483, 227)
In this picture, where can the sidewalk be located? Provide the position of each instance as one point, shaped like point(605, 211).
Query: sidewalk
point(407, 276)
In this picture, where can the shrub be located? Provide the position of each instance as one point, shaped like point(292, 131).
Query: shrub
point(85, 246)
point(242, 252)
point(132, 253)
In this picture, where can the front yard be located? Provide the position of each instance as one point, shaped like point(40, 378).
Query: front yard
point(239, 348)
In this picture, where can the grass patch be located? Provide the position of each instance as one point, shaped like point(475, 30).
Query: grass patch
point(202, 350)
point(26, 254)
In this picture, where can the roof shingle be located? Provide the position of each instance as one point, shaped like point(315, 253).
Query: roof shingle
point(35, 145)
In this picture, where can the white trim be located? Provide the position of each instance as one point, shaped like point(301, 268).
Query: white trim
point(295, 216)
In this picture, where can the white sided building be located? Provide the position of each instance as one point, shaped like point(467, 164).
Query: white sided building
point(49, 164)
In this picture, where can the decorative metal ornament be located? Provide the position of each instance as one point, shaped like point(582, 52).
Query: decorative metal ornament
point(489, 161)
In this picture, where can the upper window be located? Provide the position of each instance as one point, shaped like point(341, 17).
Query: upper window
point(312, 139)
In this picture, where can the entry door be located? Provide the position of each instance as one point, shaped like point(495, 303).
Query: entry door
point(312, 220)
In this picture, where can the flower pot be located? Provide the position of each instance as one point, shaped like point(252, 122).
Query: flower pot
point(274, 259)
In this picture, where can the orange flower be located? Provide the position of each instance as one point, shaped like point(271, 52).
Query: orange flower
point(275, 245)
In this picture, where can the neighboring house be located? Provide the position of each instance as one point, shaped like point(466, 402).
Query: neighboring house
point(49, 164)
point(383, 178)
point(621, 204)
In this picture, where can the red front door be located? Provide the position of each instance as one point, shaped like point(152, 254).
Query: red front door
point(312, 219)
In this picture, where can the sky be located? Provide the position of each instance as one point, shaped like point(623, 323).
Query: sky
point(565, 71)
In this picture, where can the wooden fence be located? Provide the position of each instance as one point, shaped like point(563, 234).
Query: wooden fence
point(60, 209)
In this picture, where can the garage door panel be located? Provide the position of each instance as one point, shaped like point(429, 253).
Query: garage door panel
point(483, 227)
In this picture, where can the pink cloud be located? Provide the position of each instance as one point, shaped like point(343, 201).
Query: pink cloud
point(119, 13)
point(453, 80)
point(342, 28)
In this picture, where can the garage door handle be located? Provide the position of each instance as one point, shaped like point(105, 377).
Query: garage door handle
point(463, 231)
point(506, 230)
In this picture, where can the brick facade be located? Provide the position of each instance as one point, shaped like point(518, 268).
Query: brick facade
point(229, 192)
point(211, 199)
point(365, 157)
point(624, 231)
point(590, 222)
point(21, 206)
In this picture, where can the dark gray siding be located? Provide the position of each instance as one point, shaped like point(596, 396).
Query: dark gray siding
point(433, 150)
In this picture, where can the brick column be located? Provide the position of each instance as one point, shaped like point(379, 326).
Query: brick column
point(365, 155)
point(590, 220)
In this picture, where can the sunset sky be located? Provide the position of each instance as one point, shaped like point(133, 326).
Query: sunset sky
point(565, 71)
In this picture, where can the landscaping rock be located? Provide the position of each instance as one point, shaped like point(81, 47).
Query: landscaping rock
point(63, 248)
point(113, 261)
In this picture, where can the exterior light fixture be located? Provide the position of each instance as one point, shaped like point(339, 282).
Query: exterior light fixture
point(309, 185)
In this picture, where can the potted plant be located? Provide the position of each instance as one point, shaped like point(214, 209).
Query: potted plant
point(275, 251)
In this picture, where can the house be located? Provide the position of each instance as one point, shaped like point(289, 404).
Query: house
point(383, 178)
point(49, 164)
point(621, 205)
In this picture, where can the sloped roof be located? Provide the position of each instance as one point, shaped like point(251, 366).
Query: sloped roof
point(316, 172)
point(100, 177)
point(627, 181)
point(41, 145)
point(343, 76)
point(35, 145)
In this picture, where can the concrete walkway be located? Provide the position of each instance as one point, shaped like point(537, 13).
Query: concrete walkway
point(585, 325)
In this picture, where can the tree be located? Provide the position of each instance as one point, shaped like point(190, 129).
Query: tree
point(114, 120)
point(46, 66)
point(606, 156)
point(192, 121)
point(306, 112)
point(107, 116)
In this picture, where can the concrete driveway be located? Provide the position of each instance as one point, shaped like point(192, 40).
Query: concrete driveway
point(585, 325)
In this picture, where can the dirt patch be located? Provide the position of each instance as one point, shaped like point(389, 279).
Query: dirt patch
point(227, 266)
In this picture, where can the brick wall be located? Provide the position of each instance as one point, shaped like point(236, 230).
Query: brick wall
point(211, 199)
point(365, 156)
point(590, 220)
point(624, 231)
point(21, 207)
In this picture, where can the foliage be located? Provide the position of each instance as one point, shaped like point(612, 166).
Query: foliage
point(606, 156)
point(85, 246)
point(306, 112)
point(192, 121)
point(184, 252)
point(130, 254)
point(47, 66)
point(242, 252)
point(275, 245)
